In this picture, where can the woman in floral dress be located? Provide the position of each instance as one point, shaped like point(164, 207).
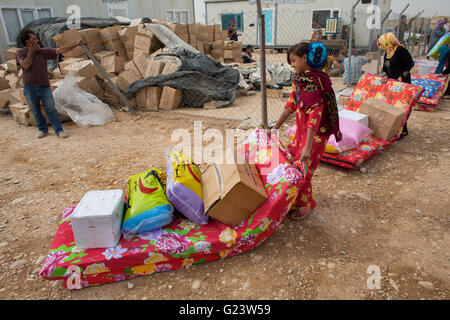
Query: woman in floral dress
point(314, 102)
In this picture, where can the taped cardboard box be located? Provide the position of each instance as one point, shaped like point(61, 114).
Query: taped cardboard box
point(170, 98)
point(11, 53)
point(125, 78)
point(200, 47)
point(202, 36)
point(15, 81)
point(384, 120)
point(193, 39)
point(153, 94)
point(141, 60)
point(95, 47)
point(80, 81)
point(130, 65)
point(232, 192)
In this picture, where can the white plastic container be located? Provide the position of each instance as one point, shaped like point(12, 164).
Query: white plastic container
point(356, 116)
point(97, 220)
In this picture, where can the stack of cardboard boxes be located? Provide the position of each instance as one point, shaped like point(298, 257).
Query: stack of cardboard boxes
point(125, 53)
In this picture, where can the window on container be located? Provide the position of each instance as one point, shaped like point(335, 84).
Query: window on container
point(12, 24)
point(177, 16)
point(226, 19)
point(27, 16)
point(44, 13)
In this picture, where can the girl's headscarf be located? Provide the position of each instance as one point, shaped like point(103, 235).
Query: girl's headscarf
point(440, 23)
point(388, 42)
point(317, 55)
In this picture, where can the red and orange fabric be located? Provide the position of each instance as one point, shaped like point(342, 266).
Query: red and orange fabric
point(314, 102)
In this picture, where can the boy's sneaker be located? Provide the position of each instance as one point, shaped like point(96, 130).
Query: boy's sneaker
point(63, 135)
point(41, 134)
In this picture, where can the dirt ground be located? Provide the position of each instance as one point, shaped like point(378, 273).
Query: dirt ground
point(393, 213)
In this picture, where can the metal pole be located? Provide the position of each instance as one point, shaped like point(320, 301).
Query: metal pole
point(262, 62)
point(113, 86)
point(415, 23)
point(425, 43)
point(422, 25)
point(379, 50)
point(375, 3)
point(350, 45)
point(399, 20)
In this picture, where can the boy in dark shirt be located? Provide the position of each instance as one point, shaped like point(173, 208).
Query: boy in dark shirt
point(36, 85)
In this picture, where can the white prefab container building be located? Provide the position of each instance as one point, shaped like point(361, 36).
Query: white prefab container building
point(288, 22)
point(14, 14)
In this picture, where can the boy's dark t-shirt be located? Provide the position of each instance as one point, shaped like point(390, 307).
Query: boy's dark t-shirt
point(37, 74)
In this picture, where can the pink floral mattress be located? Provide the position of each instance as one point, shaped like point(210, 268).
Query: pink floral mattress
point(398, 94)
point(429, 104)
point(182, 243)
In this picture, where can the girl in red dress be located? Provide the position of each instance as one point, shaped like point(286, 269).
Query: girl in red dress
point(314, 102)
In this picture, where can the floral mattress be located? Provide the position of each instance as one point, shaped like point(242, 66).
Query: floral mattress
point(429, 104)
point(398, 94)
point(182, 243)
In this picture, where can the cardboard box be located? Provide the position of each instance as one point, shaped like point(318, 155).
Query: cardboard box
point(232, 192)
point(68, 62)
point(103, 56)
point(95, 47)
point(19, 95)
point(170, 98)
point(90, 35)
point(202, 36)
point(84, 68)
point(178, 28)
point(193, 39)
point(127, 33)
point(200, 47)
point(384, 120)
point(125, 78)
point(141, 60)
point(93, 86)
point(153, 94)
point(4, 84)
point(130, 65)
point(192, 28)
point(343, 100)
point(109, 33)
point(14, 81)
point(228, 54)
point(184, 37)
point(97, 219)
point(22, 114)
point(356, 116)
point(11, 66)
point(6, 99)
point(80, 81)
point(114, 64)
point(11, 53)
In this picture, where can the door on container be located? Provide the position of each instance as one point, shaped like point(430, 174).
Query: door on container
point(268, 25)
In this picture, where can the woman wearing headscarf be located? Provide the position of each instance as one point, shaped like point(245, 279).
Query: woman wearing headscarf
point(437, 33)
point(397, 62)
point(314, 102)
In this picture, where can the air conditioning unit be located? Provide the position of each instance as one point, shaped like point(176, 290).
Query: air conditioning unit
point(333, 25)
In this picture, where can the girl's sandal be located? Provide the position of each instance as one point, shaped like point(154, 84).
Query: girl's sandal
point(301, 213)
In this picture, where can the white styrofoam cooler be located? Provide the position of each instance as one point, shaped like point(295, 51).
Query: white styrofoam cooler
point(356, 116)
point(97, 220)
